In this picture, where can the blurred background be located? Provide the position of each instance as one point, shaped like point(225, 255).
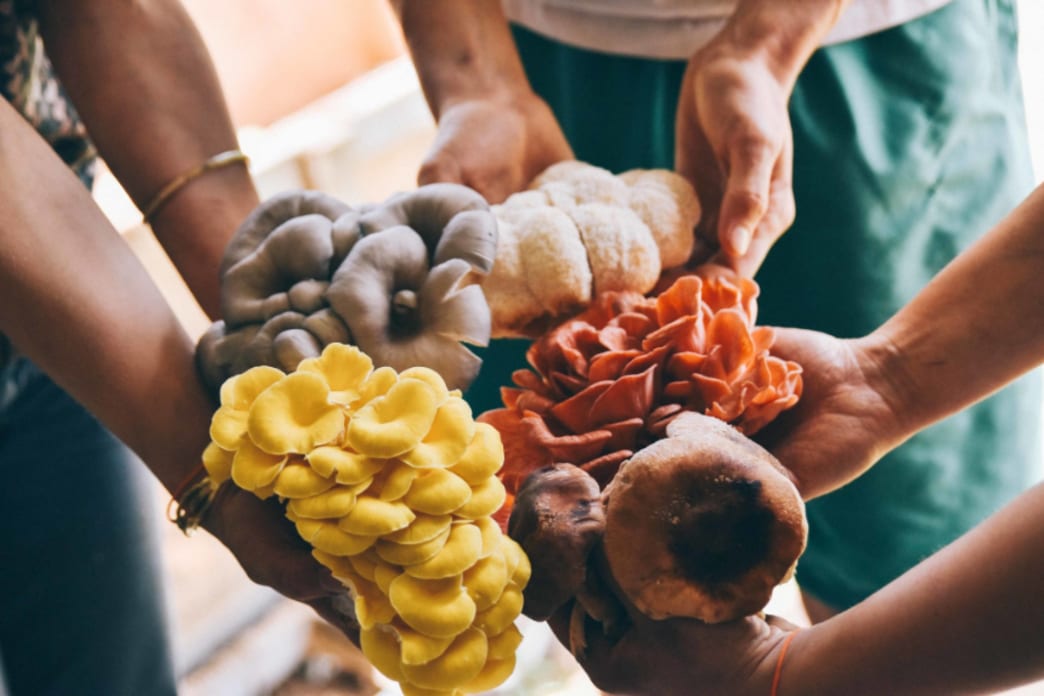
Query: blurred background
point(324, 97)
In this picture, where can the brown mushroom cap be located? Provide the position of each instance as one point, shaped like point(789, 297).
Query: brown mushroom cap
point(557, 519)
point(703, 524)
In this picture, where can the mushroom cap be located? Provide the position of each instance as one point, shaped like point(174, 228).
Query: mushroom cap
point(557, 518)
point(300, 252)
point(703, 524)
point(579, 231)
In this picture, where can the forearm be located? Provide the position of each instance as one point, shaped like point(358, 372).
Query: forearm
point(978, 325)
point(784, 34)
point(143, 82)
point(965, 621)
point(77, 302)
point(462, 49)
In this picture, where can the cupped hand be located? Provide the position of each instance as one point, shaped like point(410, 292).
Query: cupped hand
point(681, 656)
point(845, 420)
point(734, 143)
point(495, 145)
point(270, 551)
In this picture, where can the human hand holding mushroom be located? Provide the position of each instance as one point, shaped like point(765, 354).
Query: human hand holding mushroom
point(626, 496)
point(380, 467)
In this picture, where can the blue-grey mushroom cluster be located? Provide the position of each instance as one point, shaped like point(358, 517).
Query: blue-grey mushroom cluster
point(399, 279)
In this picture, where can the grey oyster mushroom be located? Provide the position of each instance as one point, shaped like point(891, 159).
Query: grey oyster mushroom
point(400, 279)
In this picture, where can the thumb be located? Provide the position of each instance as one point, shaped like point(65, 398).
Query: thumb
point(438, 167)
point(746, 198)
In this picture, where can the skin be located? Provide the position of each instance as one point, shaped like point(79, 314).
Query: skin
point(734, 141)
point(495, 134)
point(76, 299)
point(966, 620)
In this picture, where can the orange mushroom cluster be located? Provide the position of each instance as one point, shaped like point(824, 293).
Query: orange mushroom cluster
point(393, 483)
point(606, 383)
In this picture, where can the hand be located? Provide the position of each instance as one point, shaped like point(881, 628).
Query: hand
point(270, 551)
point(682, 656)
point(845, 420)
point(495, 146)
point(734, 144)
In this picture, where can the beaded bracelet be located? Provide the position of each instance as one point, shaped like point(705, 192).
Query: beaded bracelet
point(222, 159)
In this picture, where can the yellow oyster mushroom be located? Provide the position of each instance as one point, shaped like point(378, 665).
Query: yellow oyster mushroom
point(395, 423)
point(228, 426)
point(424, 528)
point(365, 564)
point(412, 554)
point(370, 602)
point(429, 376)
point(448, 439)
point(253, 469)
point(384, 574)
point(381, 647)
point(395, 481)
point(518, 565)
point(417, 648)
point(497, 618)
point(486, 498)
point(374, 517)
point(377, 384)
point(438, 492)
point(372, 606)
point(345, 369)
point(414, 690)
point(460, 553)
point(294, 415)
point(462, 662)
point(339, 566)
point(218, 463)
point(491, 536)
point(238, 392)
point(327, 536)
point(486, 580)
point(483, 457)
point(334, 503)
point(503, 645)
point(298, 480)
point(493, 674)
point(437, 608)
point(346, 467)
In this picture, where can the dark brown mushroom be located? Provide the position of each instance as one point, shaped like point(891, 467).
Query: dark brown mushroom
point(557, 518)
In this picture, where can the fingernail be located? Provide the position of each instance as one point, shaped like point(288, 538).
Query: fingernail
point(739, 240)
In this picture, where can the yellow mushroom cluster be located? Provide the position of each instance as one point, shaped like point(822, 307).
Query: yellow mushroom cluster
point(393, 483)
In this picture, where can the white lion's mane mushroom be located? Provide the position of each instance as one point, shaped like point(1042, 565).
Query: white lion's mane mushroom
point(305, 270)
point(580, 230)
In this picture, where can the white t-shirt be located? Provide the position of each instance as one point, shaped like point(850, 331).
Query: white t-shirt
point(677, 28)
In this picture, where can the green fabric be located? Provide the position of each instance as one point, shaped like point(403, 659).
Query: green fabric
point(908, 144)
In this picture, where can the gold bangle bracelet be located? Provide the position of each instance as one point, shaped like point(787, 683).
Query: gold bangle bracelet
point(222, 159)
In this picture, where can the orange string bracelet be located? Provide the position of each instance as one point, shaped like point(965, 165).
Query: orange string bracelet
point(190, 499)
point(779, 663)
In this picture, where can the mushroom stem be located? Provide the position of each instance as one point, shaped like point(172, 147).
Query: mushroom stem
point(405, 315)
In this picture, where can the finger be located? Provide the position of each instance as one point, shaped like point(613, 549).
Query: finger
point(751, 161)
point(438, 167)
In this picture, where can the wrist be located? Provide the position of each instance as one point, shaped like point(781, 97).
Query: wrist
point(783, 36)
point(888, 374)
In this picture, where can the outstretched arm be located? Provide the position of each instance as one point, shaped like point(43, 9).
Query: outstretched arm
point(978, 325)
point(733, 135)
point(494, 134)
point(143, 82)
